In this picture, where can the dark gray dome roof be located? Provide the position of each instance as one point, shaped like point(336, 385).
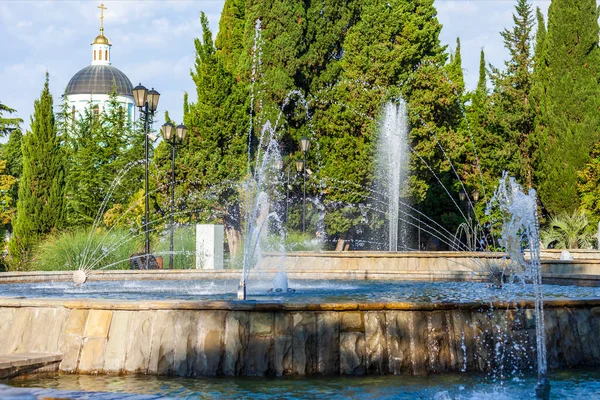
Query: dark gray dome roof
point(99, 79)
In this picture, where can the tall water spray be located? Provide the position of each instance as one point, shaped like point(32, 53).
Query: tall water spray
point(392, 168)
point(521, 225)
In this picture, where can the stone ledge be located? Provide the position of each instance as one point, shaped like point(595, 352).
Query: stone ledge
point(15, 364)
point(251, 305)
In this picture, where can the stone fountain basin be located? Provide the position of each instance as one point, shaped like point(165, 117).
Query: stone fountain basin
point(250, 338)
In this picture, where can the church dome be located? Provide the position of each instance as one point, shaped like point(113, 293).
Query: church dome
point(101, 39)
point(99, 79)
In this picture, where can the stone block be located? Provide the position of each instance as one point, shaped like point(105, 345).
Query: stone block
point(259, 356)
point(398, 341)
point(439, 356)
point(20, 330)
point(6, 321)
point(162, 353)
point(185, 328)
point(98, 324)
point(352, 322)
point(483, 340)
point(569, 344)
point(208, 346)
point(376, 357)
point(70, 347)
point(50, 321)
point(236, 343)
point(304, 343)
point(261, 323)
point(283, 324)
point(116, 347)
point(352, 353)
point(419, 341)
point(328, 343)
point(92, 355)
point(139, 342)
point(76, 322)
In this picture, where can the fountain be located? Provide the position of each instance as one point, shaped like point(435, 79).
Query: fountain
point(392, 168)
point(349, 313)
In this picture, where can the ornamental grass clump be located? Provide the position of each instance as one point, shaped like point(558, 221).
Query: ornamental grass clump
point(71, 250)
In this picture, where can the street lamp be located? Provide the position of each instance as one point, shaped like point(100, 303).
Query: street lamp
point(304, 146)
point(147, 102)
point(174, 136)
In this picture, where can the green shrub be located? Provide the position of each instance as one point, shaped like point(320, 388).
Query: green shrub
point(568, 231)
point(67, 250)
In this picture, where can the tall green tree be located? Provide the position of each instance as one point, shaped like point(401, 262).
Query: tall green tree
point(511, 116)
point(571, 100)
point(213, 162)
point(41, 189)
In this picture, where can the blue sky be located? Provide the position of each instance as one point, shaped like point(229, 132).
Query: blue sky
point(153, 42)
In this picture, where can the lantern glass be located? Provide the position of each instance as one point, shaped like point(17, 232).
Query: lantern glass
point(153, 97)
point(181, 133)
point(304, 144)
point(139, 95)
point(299, 165)
point(475, 195)
point(462, 195)
point(167, 131)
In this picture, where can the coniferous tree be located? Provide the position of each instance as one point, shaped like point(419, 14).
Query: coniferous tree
point(571, 100)
point(8, 124)
point(213, 161)
point(41, 189)
point(538, 94)
point(454, 68)
point(511, 117)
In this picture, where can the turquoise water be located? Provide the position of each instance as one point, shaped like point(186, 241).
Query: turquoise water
point(314, 291)
point(572, 384)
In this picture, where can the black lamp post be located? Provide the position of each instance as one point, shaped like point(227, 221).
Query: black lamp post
point(174, 136)
point(147, 102)
point(304, 146)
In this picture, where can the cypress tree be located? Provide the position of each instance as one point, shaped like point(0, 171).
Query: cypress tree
point(213, 161)
point(511, 116)
point(41, 189)
point(454, 68)
point(571, 100)
point(538, 95)
point(230, 40)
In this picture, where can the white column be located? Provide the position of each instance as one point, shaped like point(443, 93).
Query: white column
point(209, 246)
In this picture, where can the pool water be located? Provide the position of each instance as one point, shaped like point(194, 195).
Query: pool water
point(316, 291)
point(571, 384)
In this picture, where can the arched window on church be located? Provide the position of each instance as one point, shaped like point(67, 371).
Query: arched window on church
point(73, 115)
point(100, 54)
point(106, 55)
point(94, 55)
point(95, 111)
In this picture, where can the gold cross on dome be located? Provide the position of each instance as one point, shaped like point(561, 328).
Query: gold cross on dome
point(102, 8)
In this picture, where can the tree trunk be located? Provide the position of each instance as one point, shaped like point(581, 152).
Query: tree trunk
point(234, 240)
point(233, 231)
point(341, 244)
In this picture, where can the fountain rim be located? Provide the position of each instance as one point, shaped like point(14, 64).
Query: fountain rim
point(267, 306)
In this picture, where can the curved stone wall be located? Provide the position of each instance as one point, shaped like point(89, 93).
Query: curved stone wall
point(257, 339)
